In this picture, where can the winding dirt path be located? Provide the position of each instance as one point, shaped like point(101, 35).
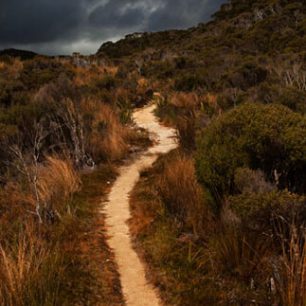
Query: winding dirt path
point(136, 290)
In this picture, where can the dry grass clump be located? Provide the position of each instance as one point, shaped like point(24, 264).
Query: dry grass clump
point(112, 70)
point(185, 100)
point(185, 126)
point(182, 194)
point(28, 272)
point(11, 69)
point(108, 138)
point(181, 111)
point(83, 76)
point(88, 75)
point(236, 254)
point(57, 181)
point(57, 262)
point(45, 188)
point(13, 200)
point(31, 264)
point(2, 65)
point(144, 212)
point(170, 222)
point(143, 83)
point(290, 271)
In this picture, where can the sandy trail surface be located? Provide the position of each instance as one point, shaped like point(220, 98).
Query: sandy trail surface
point(136, 289)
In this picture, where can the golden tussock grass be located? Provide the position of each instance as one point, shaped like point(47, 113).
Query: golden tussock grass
point(182, 194)
point(108, 139)
point(2, 65)
point(57, 263)
point(57, 181)
point(14, 200)
point(145, 205)
point(174, 191)
point(28, 272)
point(85, 76)
point(143, 83)
point(31, 267)
point(185, 126)
point(170, 220)
point(290, 278)
point(180, 111)
point(111, 70)
point(13, 69)
point(185, 100)
point(235, 254)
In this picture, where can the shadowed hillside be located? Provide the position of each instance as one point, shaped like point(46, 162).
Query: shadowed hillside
point(22, 54)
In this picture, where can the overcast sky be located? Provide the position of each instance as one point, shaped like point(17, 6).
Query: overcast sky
point(64, 26)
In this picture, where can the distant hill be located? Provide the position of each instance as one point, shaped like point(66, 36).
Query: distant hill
point(246, 27)
point(22, 54)
point(249, 49)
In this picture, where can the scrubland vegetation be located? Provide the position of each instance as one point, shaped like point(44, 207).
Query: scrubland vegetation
point(251, 250)
point(232, 230)
point(62, 129)
point(220, 221)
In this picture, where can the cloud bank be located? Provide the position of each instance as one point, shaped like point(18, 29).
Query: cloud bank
point(64, 26)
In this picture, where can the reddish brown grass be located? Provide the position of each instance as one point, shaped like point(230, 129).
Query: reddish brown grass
point(290, 276)
point(57, 181)
point(108, 139)
point(185, 100)
point(180, 191)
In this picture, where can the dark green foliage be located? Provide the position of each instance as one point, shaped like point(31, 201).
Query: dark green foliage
point(246, 76)
point(260, 210)
point(107, 82)
point(189, 82)
point(293, 98)
point(41, 71)
point(266, 137)
point(160, 69)
point(133, 44)
point(12, 92)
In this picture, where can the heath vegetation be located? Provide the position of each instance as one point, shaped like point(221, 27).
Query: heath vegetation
point(220, 221)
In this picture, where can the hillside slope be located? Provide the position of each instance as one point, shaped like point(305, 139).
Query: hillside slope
point(248, 48)
point(22, 54)
point(219, 220)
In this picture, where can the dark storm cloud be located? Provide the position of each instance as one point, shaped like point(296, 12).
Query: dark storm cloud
point(32, 21)
point(60, 26)
point(117, 14)
point(182, 14)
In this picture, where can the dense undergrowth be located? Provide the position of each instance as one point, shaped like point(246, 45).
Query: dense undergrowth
point(57, 120)
point(253, 253)
point(64, 261)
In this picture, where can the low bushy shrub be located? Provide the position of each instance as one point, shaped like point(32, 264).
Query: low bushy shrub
point(266, 137)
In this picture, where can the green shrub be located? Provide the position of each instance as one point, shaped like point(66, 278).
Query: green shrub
point(107, 82)
point(189, 82)
point(252, 207)
point(251, 181)
point(266, 137)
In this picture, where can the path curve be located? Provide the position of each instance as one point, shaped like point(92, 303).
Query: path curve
point(136, 290)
